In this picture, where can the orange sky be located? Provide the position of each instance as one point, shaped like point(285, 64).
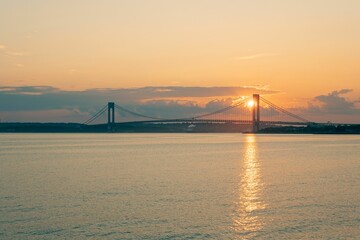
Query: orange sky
point(301, 48)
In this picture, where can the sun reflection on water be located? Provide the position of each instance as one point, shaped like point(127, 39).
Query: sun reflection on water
point(249, 201)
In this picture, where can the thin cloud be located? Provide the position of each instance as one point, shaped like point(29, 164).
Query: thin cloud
point(254, 56)
point(16, 54)
point(7, 89)
point(12, 53)
point(163, 90)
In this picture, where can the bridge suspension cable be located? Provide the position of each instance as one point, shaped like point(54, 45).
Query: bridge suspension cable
point(221, 110)
point(281, 109)
point(136, 114)
point(95, 116)
point(120, 108)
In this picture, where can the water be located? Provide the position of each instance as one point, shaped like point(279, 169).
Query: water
point(179, 186)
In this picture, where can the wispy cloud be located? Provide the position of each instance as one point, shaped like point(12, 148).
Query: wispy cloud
point(5, 50)
point(16, 54)
point(254, 56)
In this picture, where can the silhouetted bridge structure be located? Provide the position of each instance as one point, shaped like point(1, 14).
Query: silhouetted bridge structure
point(256, 112)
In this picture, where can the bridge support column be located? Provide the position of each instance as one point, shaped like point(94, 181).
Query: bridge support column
point(256, 113)
point(111, 116)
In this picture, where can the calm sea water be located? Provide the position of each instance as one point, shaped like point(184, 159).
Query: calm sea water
point(179, 186)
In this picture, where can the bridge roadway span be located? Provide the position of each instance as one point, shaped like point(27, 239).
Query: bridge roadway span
point(190, 121)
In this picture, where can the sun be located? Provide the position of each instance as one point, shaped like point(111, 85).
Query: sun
point(250, 104)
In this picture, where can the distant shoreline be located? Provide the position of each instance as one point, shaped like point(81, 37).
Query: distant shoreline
point(173, 128)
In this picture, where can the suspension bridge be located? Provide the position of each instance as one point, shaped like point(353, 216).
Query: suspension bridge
point(254, 112)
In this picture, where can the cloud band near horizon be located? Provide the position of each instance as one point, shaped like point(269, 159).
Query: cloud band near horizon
point(46, 103)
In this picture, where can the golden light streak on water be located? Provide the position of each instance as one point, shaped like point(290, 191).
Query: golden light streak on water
point(246, 219)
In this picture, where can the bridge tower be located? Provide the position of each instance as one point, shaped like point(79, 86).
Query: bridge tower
point(111, 116)
point(256, 113)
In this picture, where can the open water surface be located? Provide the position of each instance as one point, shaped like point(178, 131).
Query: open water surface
point(179, 186)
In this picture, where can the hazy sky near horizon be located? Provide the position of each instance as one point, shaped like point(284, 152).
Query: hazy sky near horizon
point(302, 49)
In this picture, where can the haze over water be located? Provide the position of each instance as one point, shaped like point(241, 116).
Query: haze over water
point(179, 186)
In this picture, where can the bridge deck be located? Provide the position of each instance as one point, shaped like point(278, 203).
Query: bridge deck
point(210, 121)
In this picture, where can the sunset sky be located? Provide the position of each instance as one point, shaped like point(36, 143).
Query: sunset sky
point(304, 54)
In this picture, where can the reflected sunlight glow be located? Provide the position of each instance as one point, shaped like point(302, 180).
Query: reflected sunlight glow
point(249, 202)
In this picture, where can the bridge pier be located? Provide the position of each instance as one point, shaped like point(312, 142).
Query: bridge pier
point(256, 113)
point(111, 116)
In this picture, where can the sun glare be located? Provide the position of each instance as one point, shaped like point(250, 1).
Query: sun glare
point(250, 104)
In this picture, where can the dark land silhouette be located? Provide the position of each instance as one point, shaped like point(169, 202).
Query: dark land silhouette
point(175, 128)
